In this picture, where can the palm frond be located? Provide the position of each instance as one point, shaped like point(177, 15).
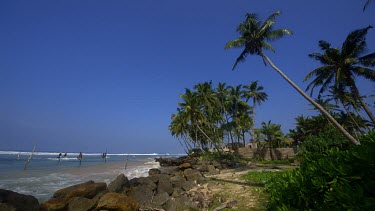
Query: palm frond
point(267, 46)
point(279, 33)
point(241, 58)
point(240, 42)
point(365, 72)
point(368, 60)
point(366, 4)
point(354, 39)
point(324, 45)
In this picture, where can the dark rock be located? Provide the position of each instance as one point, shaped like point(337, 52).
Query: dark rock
point(154, 171)
point(161, 198)
point(188, 185)
point(80, 204)
point(212, 170)
point(54, 204)
point(217, 164)
point(180, 203)
point(117, 185)
point(157, 177)
point(177, 192)
point(165, 186)
point(141, 194)
point(150, 206)
point(192, 174)
point(143, 181)
point(10, 200)
point(7, 207)
point(184, 166)
point(116, 201)
point(87, 190)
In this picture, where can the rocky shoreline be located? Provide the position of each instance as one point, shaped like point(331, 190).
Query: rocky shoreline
point(180, 184)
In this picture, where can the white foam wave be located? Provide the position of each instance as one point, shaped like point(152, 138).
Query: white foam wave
point(87, 154)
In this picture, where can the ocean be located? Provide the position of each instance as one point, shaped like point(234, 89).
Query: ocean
point(46, 173)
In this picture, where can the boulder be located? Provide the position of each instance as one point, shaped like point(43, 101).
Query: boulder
point(157, 177)
point(141, 194)
point(54, 204)
point(117, 184)
point(154, 171)
point(80, 204)
point(116, 201)
point(87, 190)
point(184, 166)
point(177, 192)
point(10, 200)
point(161, 198)
point(192, 175)
point(143, 181)
point(180, 203)
point(165, 186)
point(212, 170)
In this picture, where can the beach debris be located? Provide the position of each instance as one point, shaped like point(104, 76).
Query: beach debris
point(28, 160)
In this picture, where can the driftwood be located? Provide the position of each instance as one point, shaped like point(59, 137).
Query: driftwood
point(226, 205)
point(28, 161)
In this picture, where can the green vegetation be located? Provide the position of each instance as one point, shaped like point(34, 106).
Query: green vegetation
point(261, 177)
point(331, 175)
point(337, 147)
point(254, 35)
point(211, 117)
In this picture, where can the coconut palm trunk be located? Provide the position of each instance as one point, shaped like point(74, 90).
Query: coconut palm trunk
point(363, 103)
point(319, 107)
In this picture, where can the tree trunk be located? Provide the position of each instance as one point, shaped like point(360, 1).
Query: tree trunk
point(319, 107)
point(363, 103)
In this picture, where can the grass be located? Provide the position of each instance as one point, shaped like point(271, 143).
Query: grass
point(260, 178)
point(283, 162)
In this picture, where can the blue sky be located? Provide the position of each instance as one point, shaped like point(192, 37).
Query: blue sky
point(89, 75)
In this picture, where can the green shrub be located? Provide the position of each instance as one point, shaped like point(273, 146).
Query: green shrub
point(336, 177)
point(260, 177)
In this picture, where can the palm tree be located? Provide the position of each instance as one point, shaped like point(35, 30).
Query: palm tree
point(254, 92)
point(253, 36)
point(273, 135)
point(340, 67)
point(366, 4)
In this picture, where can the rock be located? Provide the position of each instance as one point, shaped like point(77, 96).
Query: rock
point(87, 190)
point(165, 186)
point(154, 171)
point(141, 194)
point(192, 174)
point(117, 185)
point(157, 177)
point(188, 185)
point(80, 204)
point(144, 181)
point(116, 201)
point(217, 164)
point(7, 207)
point(54, 204)
point(184, 166)
point(161, 198)
point(180, 203)
point(212, 170)
point(10, 200)
point(177, 192)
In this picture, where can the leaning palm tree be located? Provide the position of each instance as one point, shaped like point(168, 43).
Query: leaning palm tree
point(340, 67)
point(366, 4)
point(254, 92)
point(254, 35)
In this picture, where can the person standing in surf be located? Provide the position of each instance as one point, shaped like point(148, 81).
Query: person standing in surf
point(80, 156)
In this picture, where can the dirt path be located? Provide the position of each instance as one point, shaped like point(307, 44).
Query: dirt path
point(230, 185)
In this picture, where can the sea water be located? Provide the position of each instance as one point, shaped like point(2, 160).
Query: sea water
point(46, 173)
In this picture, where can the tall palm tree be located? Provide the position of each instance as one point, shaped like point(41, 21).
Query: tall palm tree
point(254, 35)
point(366, 4)
point(254, 92)
point(340, 67)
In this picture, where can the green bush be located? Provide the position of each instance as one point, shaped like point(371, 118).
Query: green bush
point(336, 177)
point(260, 177)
